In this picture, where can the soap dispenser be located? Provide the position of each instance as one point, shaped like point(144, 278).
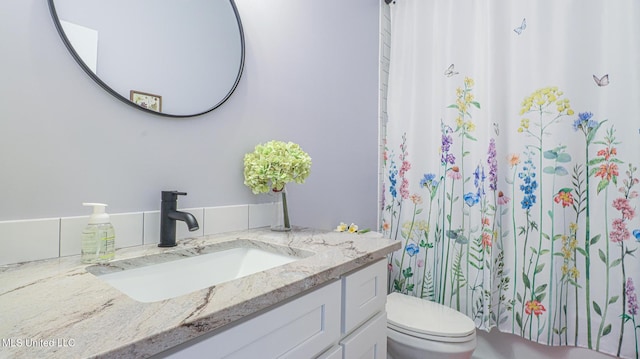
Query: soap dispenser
point(98, 237)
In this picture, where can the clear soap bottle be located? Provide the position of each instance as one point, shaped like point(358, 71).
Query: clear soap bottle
point(98, 237)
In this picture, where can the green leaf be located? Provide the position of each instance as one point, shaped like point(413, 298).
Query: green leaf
point(595, 161)
point(574, 283)
point(606, 330)
point(595, 239)
point(476, 104)
point(541, 288)
point(549, 170)
point(407, 273)
point(550, 154)
point(397, 285)
point(593, 131)
point(539, 268)
point(525, 280)
point(462, 239)
point(540, 297)
point(418, 211)
point(602, 185)
point(453, 106)
point(614, 299)
point(603, 258)
point(564, 157)
point(615, 263)
point(596, 308)
point(561, 171)
point(581, 251)
point(518, 320)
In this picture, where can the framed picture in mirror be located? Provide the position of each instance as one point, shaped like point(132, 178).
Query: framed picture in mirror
point(147, 100)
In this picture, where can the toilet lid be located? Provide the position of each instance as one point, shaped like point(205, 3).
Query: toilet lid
point(424, 319)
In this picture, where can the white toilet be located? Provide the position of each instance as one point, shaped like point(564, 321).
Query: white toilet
point(420, 329)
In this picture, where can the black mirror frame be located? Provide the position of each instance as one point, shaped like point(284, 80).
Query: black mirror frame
point(67, 43)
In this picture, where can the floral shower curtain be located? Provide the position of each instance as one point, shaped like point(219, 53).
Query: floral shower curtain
point(511, 156)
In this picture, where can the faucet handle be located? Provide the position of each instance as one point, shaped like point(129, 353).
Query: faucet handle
point(172, 195)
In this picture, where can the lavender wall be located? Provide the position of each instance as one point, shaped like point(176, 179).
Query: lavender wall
point(311, 76)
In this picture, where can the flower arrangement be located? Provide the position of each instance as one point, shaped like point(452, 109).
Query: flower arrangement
point(352, 228)
point(273, 164)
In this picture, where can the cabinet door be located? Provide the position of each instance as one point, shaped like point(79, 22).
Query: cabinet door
point(301, 328)
point(333, 353)
point(365, 294)
point(369, 341)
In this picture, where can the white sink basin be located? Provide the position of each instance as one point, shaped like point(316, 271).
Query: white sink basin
point(183, 272)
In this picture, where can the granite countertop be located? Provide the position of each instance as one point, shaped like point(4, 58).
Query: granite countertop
point(57, 309)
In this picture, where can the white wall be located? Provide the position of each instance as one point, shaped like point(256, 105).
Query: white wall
point(311, 76)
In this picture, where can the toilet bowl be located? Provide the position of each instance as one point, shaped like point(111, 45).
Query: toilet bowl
point(420, 329)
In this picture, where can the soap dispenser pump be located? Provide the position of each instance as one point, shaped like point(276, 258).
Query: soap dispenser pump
point(98, 237)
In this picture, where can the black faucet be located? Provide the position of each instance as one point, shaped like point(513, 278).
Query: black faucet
point(168, 216)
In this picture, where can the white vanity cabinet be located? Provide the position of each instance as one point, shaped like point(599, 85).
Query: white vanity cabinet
point(341, 320)
point(364, 320)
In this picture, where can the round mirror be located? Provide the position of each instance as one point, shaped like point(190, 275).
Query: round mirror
point(175, 58)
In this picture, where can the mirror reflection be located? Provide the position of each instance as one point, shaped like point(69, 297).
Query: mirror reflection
point(171, 57)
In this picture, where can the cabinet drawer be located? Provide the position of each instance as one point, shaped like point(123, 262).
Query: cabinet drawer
point(301, 328)
point(369, 341)
point(364, 294)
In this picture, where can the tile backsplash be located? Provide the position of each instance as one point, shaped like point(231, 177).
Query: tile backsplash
point(30, 240)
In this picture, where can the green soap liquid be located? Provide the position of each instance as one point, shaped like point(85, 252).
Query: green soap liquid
point(98, 243)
